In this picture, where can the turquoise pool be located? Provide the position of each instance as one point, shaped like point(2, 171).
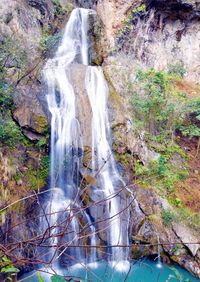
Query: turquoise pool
point(141, 271)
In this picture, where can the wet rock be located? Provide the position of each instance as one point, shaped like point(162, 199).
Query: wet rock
point(137, 218)
point(84, 113)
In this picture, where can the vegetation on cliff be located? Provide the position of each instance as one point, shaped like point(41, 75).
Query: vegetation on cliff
point(163, 110)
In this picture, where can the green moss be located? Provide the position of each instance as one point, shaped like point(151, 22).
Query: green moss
point(41, 123)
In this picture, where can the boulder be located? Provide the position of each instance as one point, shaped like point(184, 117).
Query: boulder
point(31, 118)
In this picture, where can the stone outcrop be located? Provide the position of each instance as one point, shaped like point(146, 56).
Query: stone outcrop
point(157, 35)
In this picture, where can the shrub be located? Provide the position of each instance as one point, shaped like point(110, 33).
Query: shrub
point(42, 142)
point(38, 177)
point(12, 55)
point(157, 102)
point(60, 10)
point(190, 126)
point(6, 100)
point(10, 133)
point(168, 217)
point(44, 167)
point(49, 41)
point(160, 173)
point(177, 69)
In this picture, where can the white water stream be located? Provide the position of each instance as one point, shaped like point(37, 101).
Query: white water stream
point(67, 145)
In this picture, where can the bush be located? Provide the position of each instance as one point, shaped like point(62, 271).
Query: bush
point(12, 55)
point(38, 177)
point(157, 103)
point(168, 217)
point(177, 69)
point(190, 126)
point(60, 10)
point(49, 41)
point(44, 167)
point(6, 100)
point(10, 134)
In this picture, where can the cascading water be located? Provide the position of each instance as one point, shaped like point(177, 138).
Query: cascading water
point(67, 148)
point(66, 141)
point(103, 166)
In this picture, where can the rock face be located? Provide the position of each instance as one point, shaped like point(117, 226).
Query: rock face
point(24, 19)
point(112, 14)
point(31, 116)
point(185, 235)
point(157, 34)
point(84, 112)
point(88, 4)
point(29, 26)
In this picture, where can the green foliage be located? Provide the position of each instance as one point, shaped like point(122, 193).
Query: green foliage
point(190, 130)
point(177, 69)
point(190, 126)
point(159, 108)
point(49, 41)
point(168, 217)
point(12, 55)
point(42, 142)
point(157, 103)
point(60, 10)
point(6, 266)
point(44, 167)
point(160, 173)
point(193, 106)
point(127, 25)
point(176, 249)
point(10, 133)
point(177, 202)
point(177, 275)
point(6, 100)
point(139, 9)
point(38, 177)
point(189, 218)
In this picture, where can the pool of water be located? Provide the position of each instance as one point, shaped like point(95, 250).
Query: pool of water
point(141, 271)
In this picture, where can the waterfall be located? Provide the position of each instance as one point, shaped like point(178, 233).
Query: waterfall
point(102, 159)
point(67, 149)
point(159, 263)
